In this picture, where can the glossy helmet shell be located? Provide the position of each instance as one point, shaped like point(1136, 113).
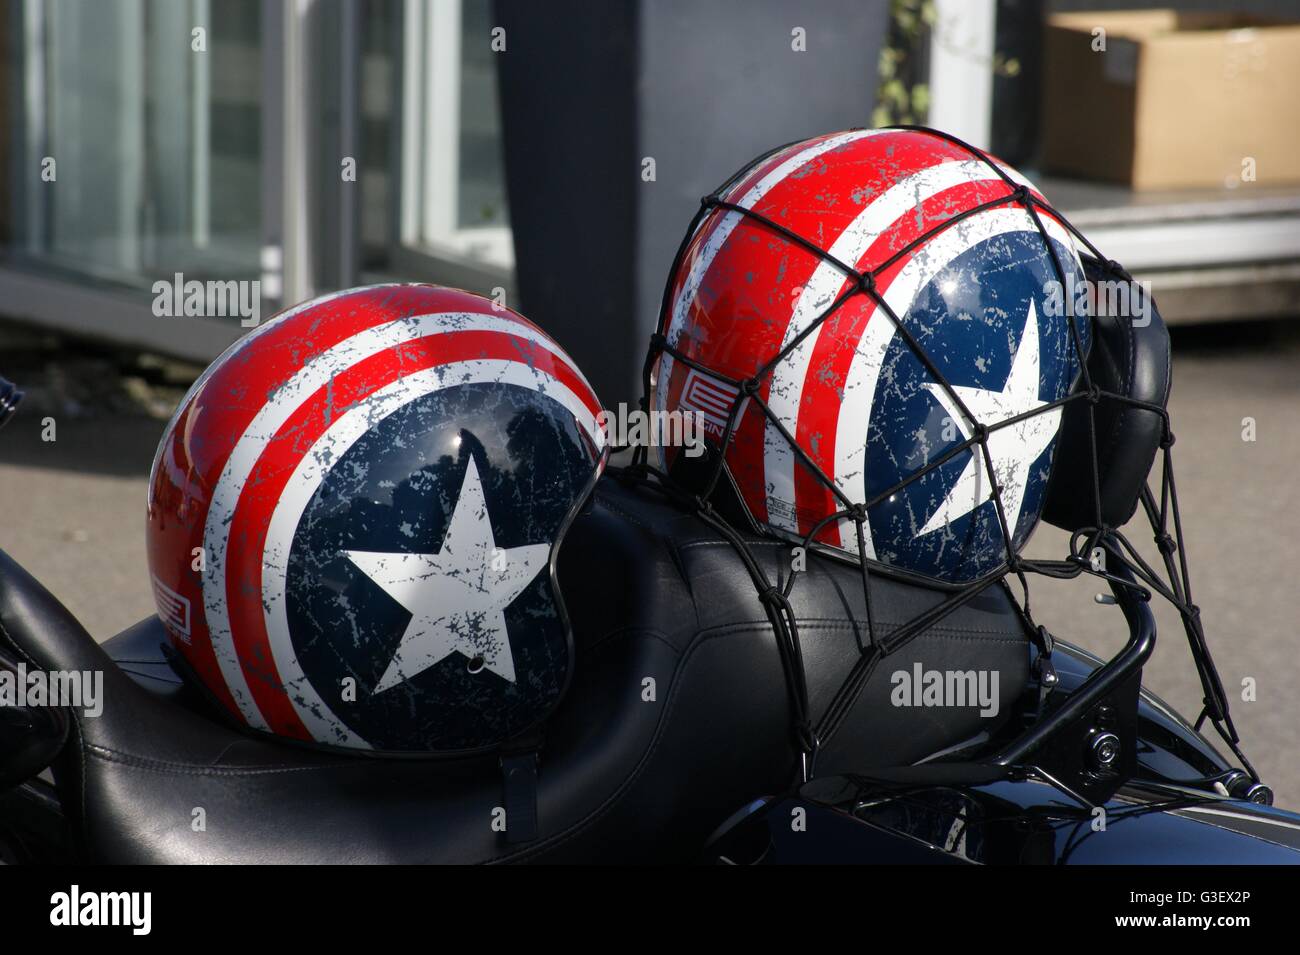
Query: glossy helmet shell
point(352, 519)
point(976, 288)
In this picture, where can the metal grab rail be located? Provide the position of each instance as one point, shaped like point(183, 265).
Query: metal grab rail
point(1141, 642)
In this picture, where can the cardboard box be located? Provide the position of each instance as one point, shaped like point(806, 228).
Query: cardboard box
point(1174, 99)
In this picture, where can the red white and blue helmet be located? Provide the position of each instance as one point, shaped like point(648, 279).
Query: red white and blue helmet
point(353, 517)
point(944, 236)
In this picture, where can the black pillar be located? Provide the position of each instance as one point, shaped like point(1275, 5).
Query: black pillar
point(591, 90)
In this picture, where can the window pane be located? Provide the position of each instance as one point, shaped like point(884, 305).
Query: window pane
point(481, 199)
point(434, 201)
point(153, 146)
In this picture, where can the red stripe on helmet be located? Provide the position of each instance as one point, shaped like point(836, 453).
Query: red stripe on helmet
point(288, 341)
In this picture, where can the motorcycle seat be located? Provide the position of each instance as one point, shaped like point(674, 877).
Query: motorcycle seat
point(625, 775)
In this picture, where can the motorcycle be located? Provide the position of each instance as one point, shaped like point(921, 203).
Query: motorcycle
point(678, 713)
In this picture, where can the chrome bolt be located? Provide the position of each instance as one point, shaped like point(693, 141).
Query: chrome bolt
point(1260, 794)
point(1103, 751)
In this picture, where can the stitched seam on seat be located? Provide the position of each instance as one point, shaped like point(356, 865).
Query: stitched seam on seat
point(655, 530)
point(631, 631)
point(82, 811)
point(627, 515)
point(718, 541)
point(885, 629)
point(885, 571)
point(194, 769)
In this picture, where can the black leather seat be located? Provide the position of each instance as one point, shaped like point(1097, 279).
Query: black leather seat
point(653, 594)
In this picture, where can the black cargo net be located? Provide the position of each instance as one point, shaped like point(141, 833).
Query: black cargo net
point(1161, 508)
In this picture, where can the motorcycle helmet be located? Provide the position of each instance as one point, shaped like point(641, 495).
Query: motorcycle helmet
point(876, 329)
point(353, 518)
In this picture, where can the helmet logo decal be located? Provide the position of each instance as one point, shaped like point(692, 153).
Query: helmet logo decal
point(456, 597)
point(1013, 448)
point(711, 400)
